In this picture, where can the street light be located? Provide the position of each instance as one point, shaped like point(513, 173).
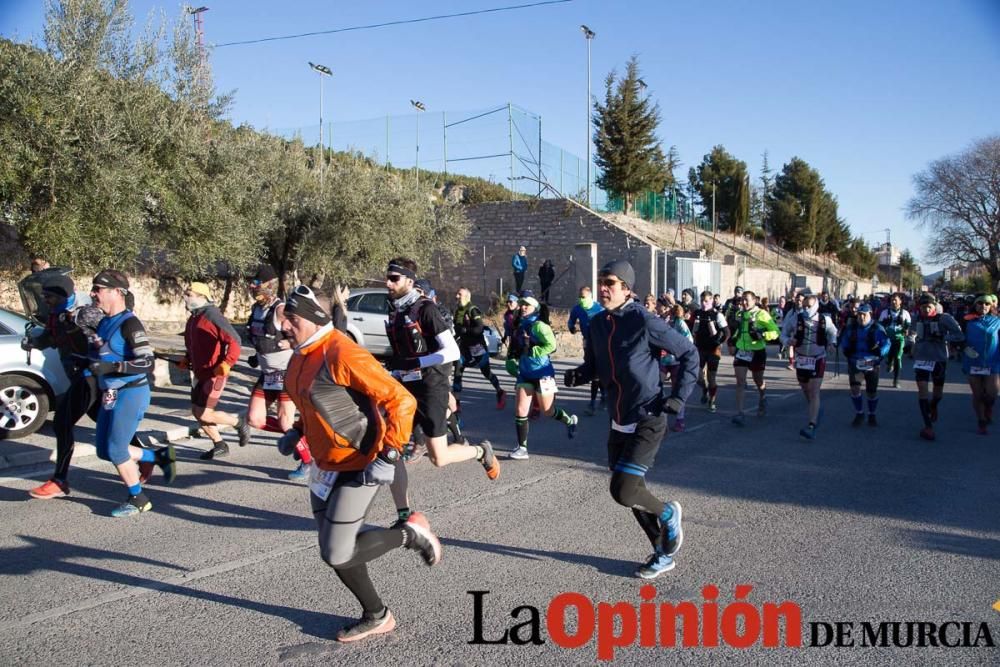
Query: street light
point(323, 71)
point(589, 35)
point(419, 106)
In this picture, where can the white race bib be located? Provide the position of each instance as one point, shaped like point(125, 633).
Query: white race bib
point(866, 363)
point(980, 370)
point(412, 376)
point(476, 351)
point(744, 355)
point(547, 385)
point(321, 481)
point(805, 363)
point(622, 428)
point(274, 381)
point(924, 365)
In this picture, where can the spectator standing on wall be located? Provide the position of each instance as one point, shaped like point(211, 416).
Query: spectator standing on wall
point(520, 264)
point(546, 275)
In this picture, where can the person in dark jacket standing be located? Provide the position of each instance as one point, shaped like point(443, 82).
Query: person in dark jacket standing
point(213, 348)
point(623, 351)
point(519, 262)
point(546, 275)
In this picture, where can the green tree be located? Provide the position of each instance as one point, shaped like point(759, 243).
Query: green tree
point(727, 176)
point(629, 156)
point(958, 201)
point(911, 276)
point(802, 214)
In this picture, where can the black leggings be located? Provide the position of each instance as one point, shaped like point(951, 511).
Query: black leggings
point(344, 546)
point(79, 400)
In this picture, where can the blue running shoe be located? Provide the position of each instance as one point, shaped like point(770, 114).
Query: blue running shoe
point(657, 564)
point(134, 505)
point(671, 530)
point(571, 426)
point(299, 473)
point(808, 433)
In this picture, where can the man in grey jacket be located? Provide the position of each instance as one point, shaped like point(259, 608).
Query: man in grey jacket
point(934, 330)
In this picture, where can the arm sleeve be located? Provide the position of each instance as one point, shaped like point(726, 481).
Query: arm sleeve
point(448, 353)
point(138, 341)
point(723, 326)
point(365, 375)
point(476, 329)
point(227, 334)
point(571, 323)
point(831, 330)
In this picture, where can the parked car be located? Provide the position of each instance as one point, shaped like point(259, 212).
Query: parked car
point(29, 384)
point(367, 312)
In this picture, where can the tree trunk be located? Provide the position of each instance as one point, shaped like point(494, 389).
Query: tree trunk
point(227, 291)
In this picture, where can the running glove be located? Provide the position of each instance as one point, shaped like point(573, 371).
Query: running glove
point(103, 367)
point(26, 344)
point(379, 471)
point(222, 370)
point(574, 378)
point(673, 405)
point(252, 361)
point(287, 442)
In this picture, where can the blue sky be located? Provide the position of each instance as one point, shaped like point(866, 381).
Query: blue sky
point(866, 92)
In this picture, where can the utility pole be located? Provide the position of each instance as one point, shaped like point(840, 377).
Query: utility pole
point(419, 106)
point(589, 35)
point(714, 225)
point(323, 71)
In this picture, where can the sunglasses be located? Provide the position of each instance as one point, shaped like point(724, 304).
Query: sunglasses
point(394, 277)
point(302, 290)
point(609, 282)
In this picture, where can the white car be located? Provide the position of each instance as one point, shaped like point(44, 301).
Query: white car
point(28, 388)
point(367, 312)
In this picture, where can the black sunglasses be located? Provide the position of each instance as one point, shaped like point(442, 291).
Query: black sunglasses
point(394, 277)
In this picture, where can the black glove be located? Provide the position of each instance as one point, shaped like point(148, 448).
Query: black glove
point(404, 363)
point(673, 405)
point(26, 344)
point(104, 367)
point(573, 378)
point(287, 442)
point(252, 361)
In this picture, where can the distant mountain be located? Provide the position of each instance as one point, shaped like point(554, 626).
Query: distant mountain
point(931, 278)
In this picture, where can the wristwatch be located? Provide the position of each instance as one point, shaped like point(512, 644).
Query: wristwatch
point(390, 454)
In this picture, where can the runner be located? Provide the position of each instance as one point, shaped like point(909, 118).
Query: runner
point(710, 332)
point(121, 357)
point(623, 352)
point(934, 331)
point(865, 344)
point(423, 348)
point(731, 308)
point(509, 316)
point(212, 349)
point(981, 360)
point(356, 420)
point(535, 375)
point(472, 347)
point(792, 310)
point(272, 352)
point(897, 324)
point(670, 365)
point(69, 329)
point(810, 333)
point(581, 314)
point(748, 345)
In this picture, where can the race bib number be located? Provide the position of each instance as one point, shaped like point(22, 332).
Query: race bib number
point(622, 428)
point(980, 370)
point(321, 481)
point(477, 351)
point(924, 365)
point(744, 355)
point(274, 381)
point(547, 385)
point(866, 363)
point(805, 363)
point(411, 376)
point(109, 398)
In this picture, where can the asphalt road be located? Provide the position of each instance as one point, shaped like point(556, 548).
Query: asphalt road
point(868, 524)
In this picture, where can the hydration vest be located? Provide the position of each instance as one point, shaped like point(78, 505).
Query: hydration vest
point(263, 334)
point(406, 336)
point(929, 329)
point(703, 336)
point(871, 345)
point(800, 329)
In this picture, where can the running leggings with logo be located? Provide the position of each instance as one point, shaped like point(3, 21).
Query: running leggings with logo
point(119, 420)
point(630, 455)
point(343, 546)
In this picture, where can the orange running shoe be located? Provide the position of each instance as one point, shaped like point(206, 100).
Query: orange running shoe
point(51, 489)
point(489, 460)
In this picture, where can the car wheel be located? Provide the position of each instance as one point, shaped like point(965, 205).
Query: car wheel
point(24, 406)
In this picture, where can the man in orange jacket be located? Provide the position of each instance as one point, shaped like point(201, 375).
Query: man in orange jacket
point(356, 419)
point(213, 348)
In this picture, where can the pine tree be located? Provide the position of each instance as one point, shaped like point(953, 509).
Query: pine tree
point(629, 156)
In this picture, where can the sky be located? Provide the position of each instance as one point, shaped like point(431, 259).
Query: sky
point(868, 93)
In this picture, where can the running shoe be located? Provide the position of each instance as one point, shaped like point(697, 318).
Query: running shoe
point(519, 454)
point(299, 473)
point(762, 407)
point(981, 430)
point(501, 399)
point(808, 433)
point(489, 460)
point(167, 460)
point(712, 407)
point(413, 452)
point(243, 430)
point(791, 365)
point(927, 433)
point(218, 450)
point(422, 539)
point(859, 419)
point(50, 489)
point(656, 565)
point(739, 420)
point(571, 426)
point(418, 518)
point(895, 384)
point(366, 627)
point(934, 412)
point(671, 530)
point(872, 421)
point(134, 505)
point(704, 399)
point(678, 426)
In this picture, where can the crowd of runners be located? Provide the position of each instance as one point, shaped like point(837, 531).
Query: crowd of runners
point(353, 422)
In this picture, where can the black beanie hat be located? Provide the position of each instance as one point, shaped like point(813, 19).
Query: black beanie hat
point(265, 273)
point(302, 302)
point(622, 269)
point(59, 285)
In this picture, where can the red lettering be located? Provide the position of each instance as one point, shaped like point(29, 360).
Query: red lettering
point(710, 617)
point(793, 624)
point(668, 623)
point(607, 640)
point(647, 617)
point(555, 620)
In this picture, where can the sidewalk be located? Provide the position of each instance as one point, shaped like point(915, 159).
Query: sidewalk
point(167, 420)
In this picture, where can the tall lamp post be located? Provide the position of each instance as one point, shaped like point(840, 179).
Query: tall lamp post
point(323, 71)
point(589, 35)
point(419, 106)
